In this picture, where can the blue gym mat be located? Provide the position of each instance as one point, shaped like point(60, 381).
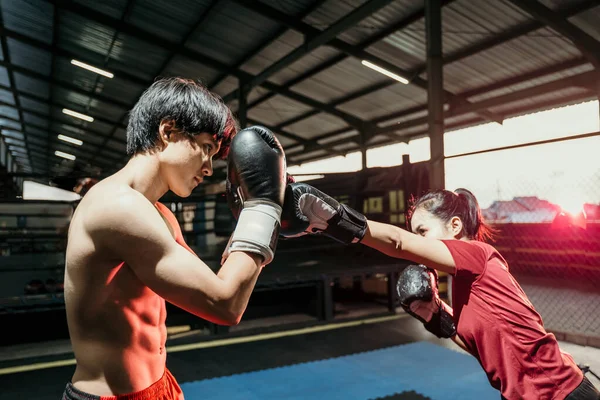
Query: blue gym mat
point(426, 368)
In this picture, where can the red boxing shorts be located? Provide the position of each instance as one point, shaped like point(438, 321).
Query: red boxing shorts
point(166, 388)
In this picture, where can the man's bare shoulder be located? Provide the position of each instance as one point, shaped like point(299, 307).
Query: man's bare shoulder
point(114, 207)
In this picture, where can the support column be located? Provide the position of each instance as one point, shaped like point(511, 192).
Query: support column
point(435, 91)
point(243, 104)
point(363, 149)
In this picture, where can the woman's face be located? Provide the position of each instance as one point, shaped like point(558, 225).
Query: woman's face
point(428, 225)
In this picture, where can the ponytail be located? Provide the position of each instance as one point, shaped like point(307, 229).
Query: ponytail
point(474, 225)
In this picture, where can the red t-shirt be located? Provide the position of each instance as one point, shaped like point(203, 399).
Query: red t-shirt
point(502, 329)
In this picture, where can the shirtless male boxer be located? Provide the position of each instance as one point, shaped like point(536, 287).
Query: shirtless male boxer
point(126, 254)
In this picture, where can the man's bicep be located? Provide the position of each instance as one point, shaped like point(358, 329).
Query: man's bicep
point(181, 278)
point(133, 231)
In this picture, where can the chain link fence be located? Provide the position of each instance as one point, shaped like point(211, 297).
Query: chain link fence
point(553, 251)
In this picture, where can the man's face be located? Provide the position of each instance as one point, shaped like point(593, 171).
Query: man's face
point(186, 161)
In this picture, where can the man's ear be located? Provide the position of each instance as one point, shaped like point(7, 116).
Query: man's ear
point(166, 129)
point(456, 227)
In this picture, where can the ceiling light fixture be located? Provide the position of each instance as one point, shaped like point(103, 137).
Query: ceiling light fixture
point(384, 72)
point(77, 115)
point(92, 68)
point(64, 155)
point(70, 140)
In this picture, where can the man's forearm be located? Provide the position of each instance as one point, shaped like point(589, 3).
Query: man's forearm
point(239, 275)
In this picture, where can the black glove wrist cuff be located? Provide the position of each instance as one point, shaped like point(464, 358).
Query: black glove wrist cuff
point(348, 227)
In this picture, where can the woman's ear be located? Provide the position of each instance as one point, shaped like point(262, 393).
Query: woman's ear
point(456, 227)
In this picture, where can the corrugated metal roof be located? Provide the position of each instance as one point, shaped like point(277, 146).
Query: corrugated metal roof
point(464, 25)
point(127, 52)
point(316, 57)
point(346, 147)
point(34, 119)
point(284, 141)
point(183, 66)
point(34, 105)
point(31, 18)
point(386, 101)
point(534, 82)
point(76, 32)
point(175, 22)
point(121, 133)
point(540, 49)
point(4, 77)
point(309, 155)
point(343, 78)
point(6, 123)
point(316, 125)
point(114, 8)
point(12, 134)
point(9, 112)
point(518, 107)
point(285, 44)
point(6, 96)
point(276, 110)
point(30, 85)
point(588, 22)
point(121, 89)
point(231, 32)
point(37, 130)
point(346, 135)
point(391, 14)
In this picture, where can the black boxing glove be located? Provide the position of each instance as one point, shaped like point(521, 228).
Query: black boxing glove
point(309, 211)
point(417, 289)
point(255, 190)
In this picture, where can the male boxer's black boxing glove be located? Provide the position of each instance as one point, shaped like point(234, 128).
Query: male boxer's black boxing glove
point(255, 189)
point(309, 211)
point(417, 289)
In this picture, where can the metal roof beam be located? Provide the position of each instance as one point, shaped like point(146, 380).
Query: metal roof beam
point(357, 51)
point(11, 77)
point(588, 46)
point(64, 85)
point(60, 106)
point(315, 38)
point(52, 139)
point(399, 25)
point(584, 79)
point(458, 55)
point(82, 54)
point(248, 56)
point(304, 142)
point(474, 92)
point(204, 59)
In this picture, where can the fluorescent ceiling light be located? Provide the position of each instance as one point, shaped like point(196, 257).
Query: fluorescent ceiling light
point(64, 155)
point(92, 68)
point(385, 72)
point(78, 115)
point(70, 140)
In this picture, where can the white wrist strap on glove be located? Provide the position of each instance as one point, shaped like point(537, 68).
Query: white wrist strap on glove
point(257, 229)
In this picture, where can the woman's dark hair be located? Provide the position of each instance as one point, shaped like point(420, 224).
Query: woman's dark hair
point(192, 106)
point(461, 203)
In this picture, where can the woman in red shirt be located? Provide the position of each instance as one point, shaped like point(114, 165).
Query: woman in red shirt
point(492, 318)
